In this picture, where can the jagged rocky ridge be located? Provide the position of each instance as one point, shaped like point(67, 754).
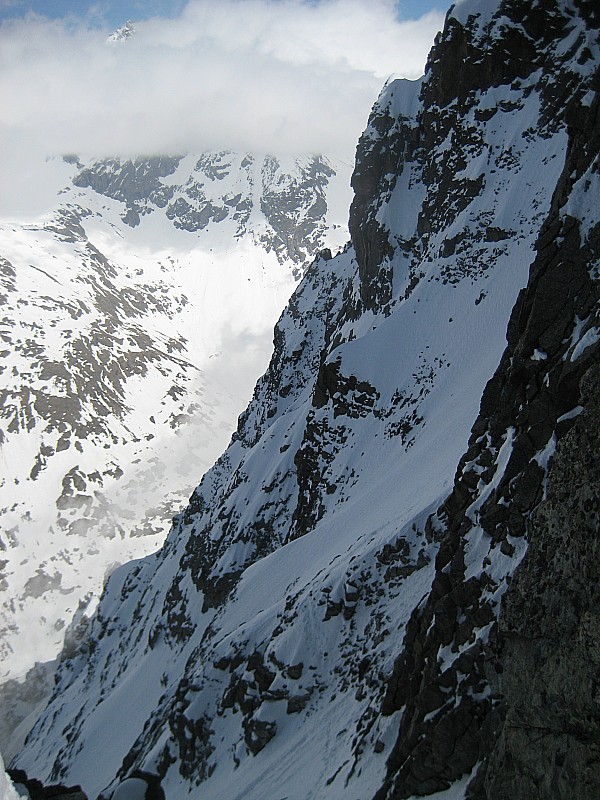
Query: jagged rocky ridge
point(134, 320)
point(34, 790)
point(253, 654)
point(281, 203)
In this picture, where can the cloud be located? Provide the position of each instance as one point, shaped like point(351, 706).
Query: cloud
point(289, 76)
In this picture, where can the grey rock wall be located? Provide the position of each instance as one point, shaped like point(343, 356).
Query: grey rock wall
point(540, 721)
point(549, 746)
point(549, 628)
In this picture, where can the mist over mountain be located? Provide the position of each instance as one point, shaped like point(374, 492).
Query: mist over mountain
point(386, 586)
point(243, 75)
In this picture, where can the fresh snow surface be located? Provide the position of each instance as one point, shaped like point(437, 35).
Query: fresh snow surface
point(7, 790)
point(389, 466)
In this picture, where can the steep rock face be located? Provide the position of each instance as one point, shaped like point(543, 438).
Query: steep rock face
point(480, 51)
point(388, 148)
point(136, 183)
point(550, 631)
point(251, 655)
point(549, 626)
point(34, 790)
point(446, 680)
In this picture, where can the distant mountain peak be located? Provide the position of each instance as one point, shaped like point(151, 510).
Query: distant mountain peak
point(126, 31)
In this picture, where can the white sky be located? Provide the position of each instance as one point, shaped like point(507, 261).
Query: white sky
point(288, 77)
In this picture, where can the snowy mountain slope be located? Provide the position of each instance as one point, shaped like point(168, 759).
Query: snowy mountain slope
point(7, 790)
point(252, 655)
point(460, 669)
point(132, 335)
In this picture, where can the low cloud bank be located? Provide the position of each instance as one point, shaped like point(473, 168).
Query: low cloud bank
point(288, 76)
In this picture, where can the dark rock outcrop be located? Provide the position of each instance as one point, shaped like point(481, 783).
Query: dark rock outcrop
point(463, 679)
point(136, 183)
point(37, 790)
point(549, 746)
point(549, 628)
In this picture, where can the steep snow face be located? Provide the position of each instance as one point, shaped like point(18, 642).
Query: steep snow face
point(484, 637)
point(135, 320)
point(251, 654)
